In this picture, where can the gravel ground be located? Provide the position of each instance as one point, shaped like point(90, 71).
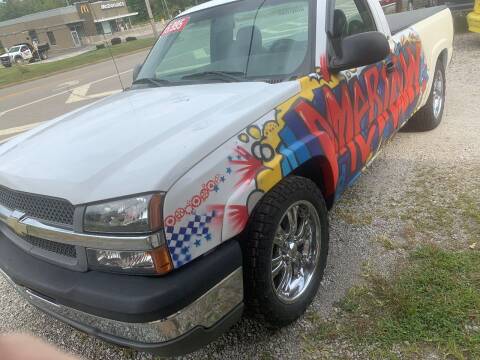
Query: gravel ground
point(410, 195)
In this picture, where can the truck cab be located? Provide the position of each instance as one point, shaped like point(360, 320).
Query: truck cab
point(153, 218)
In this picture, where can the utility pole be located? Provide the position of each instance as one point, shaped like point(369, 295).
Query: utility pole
point(152, 21)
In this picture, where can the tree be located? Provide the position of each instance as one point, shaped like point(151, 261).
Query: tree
point(158, 7)
point(15, 8)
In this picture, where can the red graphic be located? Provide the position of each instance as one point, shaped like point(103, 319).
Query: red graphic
point(176, 26)
point(250, 166)
point(324, 68)
point(352, 119)
point(238, 215)
point(219, 213)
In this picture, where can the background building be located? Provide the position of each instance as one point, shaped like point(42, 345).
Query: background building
point(68, 27)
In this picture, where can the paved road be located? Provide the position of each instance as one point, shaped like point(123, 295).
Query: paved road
point(24, 105)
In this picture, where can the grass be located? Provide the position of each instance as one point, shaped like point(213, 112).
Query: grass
point(432, 305)
point(9, 76)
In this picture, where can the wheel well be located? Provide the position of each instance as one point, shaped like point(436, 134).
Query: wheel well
point(443, 57)
point(318, 170)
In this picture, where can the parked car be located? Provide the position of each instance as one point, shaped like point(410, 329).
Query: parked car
point(24, 53)
point(473, 18)
point(152, 218)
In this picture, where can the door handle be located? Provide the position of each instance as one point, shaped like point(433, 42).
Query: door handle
point(389, 66)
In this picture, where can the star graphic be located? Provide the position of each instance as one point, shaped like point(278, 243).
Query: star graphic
point(222, 178)
point(230, 158)
point(239, 157)
point(198, 242)
point(229, 170)
point(208, 237)
point(216, 188)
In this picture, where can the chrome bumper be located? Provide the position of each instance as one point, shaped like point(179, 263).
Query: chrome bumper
point(205, 312)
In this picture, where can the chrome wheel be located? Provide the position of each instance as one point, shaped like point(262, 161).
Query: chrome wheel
point(296, 248)
point(438, 93)
point(410, 6)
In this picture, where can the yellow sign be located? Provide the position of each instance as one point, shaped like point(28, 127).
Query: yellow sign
point(84, 9)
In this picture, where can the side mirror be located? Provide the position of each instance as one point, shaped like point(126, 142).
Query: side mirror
point(136, 71)
point(360, 50)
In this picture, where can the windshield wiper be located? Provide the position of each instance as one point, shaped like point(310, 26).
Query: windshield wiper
point(152, 81)
point(221, 75)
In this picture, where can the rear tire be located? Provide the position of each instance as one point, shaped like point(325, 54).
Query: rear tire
point(283, 269)
point(430, 116)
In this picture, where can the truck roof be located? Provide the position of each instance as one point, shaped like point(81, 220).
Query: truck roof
point(208, 4)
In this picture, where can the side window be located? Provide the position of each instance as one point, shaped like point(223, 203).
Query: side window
point(352, 17)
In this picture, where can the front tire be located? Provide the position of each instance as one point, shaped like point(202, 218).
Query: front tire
point(286, 251)
point(430, 116)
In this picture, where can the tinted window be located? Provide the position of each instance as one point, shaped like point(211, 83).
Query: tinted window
point(352, 17)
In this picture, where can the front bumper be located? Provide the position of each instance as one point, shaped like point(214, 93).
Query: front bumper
point(170, 315)
point(5, 60)
point(184, 332)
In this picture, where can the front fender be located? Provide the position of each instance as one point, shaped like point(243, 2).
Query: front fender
point(212, 202)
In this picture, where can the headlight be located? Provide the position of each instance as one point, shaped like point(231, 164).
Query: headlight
point(139, 214)
point(152, 262)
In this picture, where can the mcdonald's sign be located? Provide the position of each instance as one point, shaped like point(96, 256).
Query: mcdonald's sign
point(84, 9)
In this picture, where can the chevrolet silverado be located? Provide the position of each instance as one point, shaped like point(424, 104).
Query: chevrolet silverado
point(153, 218)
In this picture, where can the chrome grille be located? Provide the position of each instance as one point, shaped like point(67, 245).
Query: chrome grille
point(40, 207)
point(51, 246)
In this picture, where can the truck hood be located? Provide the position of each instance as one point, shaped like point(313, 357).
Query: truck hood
point(134, 142)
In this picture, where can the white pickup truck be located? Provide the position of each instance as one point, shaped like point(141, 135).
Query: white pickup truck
point(24, 53)
point(152, 218)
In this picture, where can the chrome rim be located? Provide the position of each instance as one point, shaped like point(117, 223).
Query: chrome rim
point(296, 248)
point(437, 94)
point(410, 6)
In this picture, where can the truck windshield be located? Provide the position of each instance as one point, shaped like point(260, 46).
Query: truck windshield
point(239, 41)
point(14, 49)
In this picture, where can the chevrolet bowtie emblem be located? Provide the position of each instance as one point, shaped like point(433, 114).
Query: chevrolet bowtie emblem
point(14, 221)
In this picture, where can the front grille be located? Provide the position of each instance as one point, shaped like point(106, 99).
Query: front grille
point(51, 246)
point(40, 207)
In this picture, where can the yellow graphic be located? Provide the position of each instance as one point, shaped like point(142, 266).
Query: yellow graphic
point(266, 141)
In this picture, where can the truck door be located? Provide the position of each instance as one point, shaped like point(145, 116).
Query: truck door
point(356, 104)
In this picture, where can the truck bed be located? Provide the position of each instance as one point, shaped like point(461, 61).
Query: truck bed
point(404, 20)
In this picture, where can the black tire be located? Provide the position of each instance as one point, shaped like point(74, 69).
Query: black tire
point(427, 118)
point(19, 60)
point(260, 295)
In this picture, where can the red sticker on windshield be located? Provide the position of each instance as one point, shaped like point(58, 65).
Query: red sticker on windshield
point(176, 26)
